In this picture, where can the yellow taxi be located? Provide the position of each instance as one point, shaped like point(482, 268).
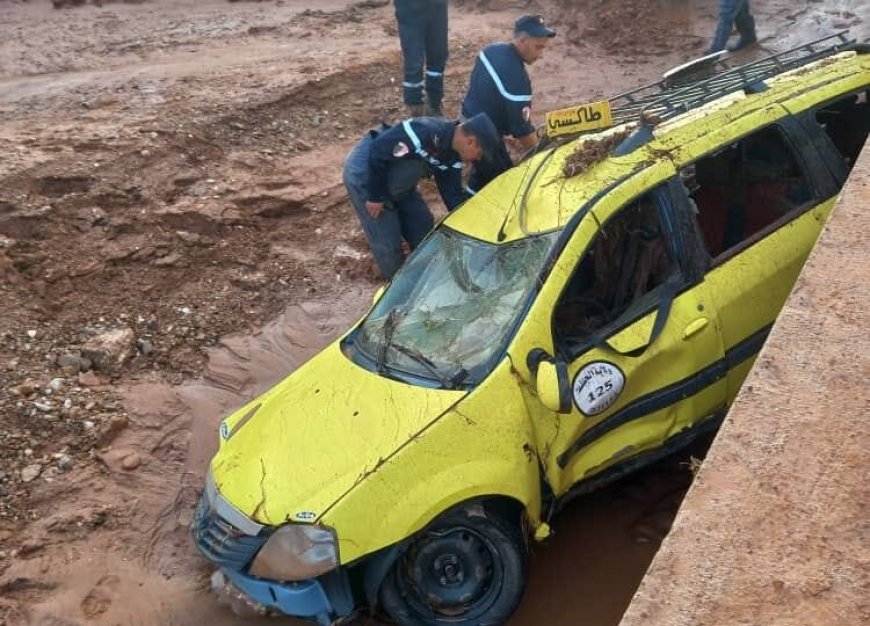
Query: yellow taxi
point(588, 312)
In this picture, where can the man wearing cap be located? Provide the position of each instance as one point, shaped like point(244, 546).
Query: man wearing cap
point(501, 88)
point(382, 171)
point(423, 36)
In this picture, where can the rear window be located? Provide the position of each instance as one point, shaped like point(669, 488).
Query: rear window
point(744, 189)
point(846, 122)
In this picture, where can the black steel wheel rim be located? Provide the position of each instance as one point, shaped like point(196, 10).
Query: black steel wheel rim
point(451, 575)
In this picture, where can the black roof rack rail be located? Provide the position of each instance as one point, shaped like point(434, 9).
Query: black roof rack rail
point(748, 76)
point(674, 95)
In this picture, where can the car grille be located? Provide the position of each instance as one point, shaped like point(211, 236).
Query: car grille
point(221, 542)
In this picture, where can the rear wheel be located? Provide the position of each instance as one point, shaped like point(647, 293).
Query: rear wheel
point(467, 568)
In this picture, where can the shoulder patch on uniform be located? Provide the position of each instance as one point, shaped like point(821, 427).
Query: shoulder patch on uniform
point(527, 113)
point(401, 149)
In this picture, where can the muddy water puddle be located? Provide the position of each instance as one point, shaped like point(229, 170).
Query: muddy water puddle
point(587, 571)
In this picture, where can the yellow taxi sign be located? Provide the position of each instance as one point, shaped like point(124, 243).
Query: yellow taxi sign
point(579, 118)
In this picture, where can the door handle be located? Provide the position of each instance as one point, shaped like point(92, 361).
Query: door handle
point(694, 327)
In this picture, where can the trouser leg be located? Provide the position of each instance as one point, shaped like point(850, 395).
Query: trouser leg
point(745, 23)
point(436, 54)
point(727, 11)
point(383, 234)
point(410, 16)
point(415, 218)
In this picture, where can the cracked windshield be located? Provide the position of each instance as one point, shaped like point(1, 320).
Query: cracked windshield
point(452, 306)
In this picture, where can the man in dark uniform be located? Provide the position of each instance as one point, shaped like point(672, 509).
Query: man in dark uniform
point(423, 35)
point(382, 171)
point(733, 13)
point(501, 88)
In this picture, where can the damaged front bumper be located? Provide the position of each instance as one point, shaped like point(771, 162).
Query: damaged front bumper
point(231, 540)
point(246, 594)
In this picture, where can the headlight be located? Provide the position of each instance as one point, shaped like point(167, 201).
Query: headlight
point(297, 552)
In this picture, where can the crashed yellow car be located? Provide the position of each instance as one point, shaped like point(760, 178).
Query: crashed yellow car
point(590, 311)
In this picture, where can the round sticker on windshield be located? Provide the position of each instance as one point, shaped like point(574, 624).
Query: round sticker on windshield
point(597, 386)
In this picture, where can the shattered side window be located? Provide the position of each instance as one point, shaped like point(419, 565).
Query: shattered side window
point(618, 278)
point(452, 306)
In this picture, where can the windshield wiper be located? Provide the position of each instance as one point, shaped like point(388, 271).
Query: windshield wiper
point(419, 357)
point(389, 328)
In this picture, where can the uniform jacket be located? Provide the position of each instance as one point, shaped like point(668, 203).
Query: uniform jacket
point(501, 88)
point(426, 139)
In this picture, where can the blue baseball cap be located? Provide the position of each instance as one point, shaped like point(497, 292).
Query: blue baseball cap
point(533, 25)
point(487, 136)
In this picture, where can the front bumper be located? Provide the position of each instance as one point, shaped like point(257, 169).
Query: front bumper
point(230, 540)
point(306, 599)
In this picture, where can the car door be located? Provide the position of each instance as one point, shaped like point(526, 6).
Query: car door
point(761, 201)
point(635, 334)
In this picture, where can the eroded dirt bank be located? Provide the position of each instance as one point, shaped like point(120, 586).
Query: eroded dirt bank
point(171, 172)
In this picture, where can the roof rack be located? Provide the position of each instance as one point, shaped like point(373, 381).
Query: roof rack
point(678, 93)
point(747, 76)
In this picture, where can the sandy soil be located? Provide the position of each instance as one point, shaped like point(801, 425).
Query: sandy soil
point(171, 171)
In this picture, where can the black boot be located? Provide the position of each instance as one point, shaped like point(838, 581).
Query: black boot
point(415, 110)
point(743, 42)
point(745, 24)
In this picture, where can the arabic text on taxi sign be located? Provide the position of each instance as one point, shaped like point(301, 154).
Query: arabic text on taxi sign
point(579, 118)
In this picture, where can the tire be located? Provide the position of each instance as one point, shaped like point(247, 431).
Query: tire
point(467, 568)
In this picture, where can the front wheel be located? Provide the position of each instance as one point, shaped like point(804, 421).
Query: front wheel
point(467, 568)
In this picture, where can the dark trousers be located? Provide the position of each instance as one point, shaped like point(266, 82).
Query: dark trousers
point(408, 218)
point(732, 13)
point(423, 35)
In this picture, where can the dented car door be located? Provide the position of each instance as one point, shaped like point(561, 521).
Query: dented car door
point(635, 331)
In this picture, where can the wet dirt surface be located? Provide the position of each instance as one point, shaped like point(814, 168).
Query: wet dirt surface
point(171, 174)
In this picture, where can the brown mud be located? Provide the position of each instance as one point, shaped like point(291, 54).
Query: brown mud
point(171, 174)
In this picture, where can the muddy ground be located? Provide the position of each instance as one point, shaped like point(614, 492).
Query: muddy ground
point(170, 178)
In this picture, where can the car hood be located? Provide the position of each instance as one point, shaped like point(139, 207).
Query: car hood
point(291, 453)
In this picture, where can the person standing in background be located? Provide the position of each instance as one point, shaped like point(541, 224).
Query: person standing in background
point(733, 13)
point(423, 36)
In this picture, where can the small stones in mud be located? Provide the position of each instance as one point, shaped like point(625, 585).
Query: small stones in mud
point(64, 463)
point(30, 472)
point(144, 347)
point(25, 389)
point(170, 260)
point(110, 350)
point(90, 379)
point(108, 431)
point(72, 363)
point(131, 461)
point(188, 237)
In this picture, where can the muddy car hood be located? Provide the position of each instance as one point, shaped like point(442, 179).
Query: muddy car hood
point(295, 450)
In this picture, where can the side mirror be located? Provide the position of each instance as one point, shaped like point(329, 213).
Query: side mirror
point(378, 293)
point(552, 386)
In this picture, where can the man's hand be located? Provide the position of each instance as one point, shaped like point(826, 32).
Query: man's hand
point(527, 142)
point(374, 209)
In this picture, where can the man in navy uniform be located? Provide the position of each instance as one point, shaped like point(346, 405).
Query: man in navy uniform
point(733, 13)
point(382, 171)
point(423, 36)
point(501, 88)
